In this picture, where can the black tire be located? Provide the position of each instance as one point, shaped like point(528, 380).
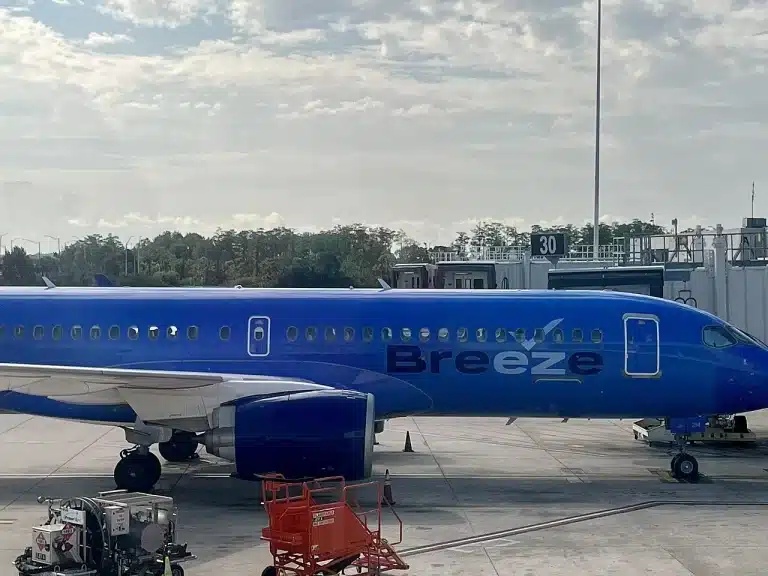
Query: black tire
point(137, 472)
point(177, 570)
point(269, 571)
point(180, 448)
point(686, 467)
point(673, 463)
point(740, 424)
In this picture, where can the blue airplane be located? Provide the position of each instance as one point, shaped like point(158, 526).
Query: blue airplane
point(299, 381)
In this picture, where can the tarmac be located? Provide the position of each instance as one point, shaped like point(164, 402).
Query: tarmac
point(476, 497)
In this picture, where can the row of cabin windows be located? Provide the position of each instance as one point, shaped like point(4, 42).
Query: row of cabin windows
point(113, 333)
point(443, 335)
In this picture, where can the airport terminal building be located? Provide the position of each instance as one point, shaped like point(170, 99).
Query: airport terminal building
point(723, 271)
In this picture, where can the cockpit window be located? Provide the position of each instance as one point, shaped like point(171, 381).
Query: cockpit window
point(718, 337)
point(746, 338)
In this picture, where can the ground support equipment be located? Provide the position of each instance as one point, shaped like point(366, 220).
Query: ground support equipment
point(115, 534)
point(719, 429)
point(318, 528)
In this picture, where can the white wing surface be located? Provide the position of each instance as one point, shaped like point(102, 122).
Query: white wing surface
point(185, 400)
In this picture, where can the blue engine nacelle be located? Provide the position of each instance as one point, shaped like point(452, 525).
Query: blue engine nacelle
point(304, 435)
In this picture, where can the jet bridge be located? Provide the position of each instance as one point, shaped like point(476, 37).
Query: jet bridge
point(413, 276)
point(648, 280)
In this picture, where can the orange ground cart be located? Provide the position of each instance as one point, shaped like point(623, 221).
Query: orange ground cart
point(317, 528)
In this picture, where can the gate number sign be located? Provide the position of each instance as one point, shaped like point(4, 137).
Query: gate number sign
point(548, 244)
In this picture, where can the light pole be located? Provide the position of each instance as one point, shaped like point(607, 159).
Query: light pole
point(58, 243)
point(135, 255)
point(39, 251)
point(596, 239)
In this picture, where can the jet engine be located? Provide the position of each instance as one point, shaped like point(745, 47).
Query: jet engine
point(303, 435)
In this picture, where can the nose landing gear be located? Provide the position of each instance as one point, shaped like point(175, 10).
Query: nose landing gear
point(684, 466)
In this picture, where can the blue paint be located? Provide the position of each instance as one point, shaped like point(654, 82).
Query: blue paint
point(694, 378)
point(688, 426)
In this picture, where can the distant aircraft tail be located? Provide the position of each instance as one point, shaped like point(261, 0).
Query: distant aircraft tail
point(102, 281)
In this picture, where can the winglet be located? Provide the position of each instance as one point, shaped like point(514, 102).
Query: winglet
point(102, 281)
point(384, 285)
point(48, 283)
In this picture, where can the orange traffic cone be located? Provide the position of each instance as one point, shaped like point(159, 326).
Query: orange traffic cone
point(387, 499)
point(408, 447)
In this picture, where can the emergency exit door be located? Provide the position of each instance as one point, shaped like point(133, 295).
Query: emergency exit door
point(642, 351)
point(258, 336)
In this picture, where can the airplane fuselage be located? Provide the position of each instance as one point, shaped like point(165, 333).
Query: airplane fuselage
point(430, 352)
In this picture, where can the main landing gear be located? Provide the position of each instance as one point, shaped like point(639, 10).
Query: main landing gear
point(139, 469)
point(684, 466)
point(180, 448)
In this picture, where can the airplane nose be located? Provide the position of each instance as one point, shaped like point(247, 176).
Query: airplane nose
point(753, 383)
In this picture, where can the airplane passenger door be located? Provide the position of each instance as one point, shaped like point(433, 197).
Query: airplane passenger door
point(642, 352)
point(258, 336)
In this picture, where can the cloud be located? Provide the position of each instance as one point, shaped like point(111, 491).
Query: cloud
point(97, 39)
point(427, 112)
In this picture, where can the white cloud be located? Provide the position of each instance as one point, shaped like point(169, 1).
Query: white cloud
point(98, 39)
point(428, 112)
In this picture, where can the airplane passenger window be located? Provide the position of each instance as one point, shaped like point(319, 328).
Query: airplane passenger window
point(133, 332)
point(310, 334)
point(424, 334)
point(38, 332)
point(171, 332)
point(76, 332)
point(520, 335)
point(481, 334)
point(114, 332)
point(192, 332)
point(153, 332)
point(538, 335)
point(557, 336)
point(462, 335)
point(717, 337)
point(95, 332)
point(405, 334)
point(330, 333)
point(577, 335)
point(597, 336)
point(18, 332)
point(367, 334)
point(225, 332)
point(349, 334)
point(443, 334)
point(57, 332)
point(386, 334)
point(292, 333)
point(501, 334)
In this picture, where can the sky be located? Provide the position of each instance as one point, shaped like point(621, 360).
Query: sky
point(132, 117)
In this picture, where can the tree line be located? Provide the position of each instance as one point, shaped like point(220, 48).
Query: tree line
point(351, 255)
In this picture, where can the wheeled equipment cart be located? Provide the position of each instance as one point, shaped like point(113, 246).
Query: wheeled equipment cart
point(317, 528)
point(118, 533)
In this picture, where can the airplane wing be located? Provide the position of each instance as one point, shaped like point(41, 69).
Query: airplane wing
point(155, 395)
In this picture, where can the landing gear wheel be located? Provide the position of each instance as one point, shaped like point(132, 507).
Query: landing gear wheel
point(180, 448)
point(269, 571)
point(137, 472)
point(672, 465)
point(685, 467)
